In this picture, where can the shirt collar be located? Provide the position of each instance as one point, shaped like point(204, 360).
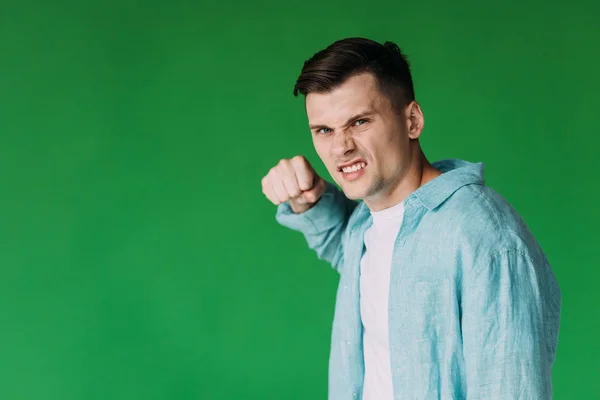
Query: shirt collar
point(455, 174)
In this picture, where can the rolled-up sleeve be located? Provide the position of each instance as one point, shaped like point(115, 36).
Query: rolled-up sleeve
point(510, 318)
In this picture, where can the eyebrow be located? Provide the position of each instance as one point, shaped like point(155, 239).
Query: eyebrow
point(358, 116)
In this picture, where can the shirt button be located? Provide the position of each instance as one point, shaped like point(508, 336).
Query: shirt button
point(347, 342)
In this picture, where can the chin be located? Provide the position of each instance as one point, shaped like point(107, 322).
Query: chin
point(354, 192)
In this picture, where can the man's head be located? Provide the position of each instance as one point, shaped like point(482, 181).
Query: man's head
point(362, 112)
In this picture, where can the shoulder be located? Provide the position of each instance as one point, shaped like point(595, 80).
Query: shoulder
point(487, 240)
point(481, 221)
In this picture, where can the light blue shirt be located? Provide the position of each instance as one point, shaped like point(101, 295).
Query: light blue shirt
point(473, 304)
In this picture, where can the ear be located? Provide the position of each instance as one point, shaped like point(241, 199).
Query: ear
point(414, 119)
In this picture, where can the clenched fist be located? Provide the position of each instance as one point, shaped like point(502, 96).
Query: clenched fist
point(295, 181)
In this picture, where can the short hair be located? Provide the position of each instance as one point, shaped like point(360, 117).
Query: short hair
point(343, 59)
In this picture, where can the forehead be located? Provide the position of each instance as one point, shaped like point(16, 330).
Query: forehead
point(357, 94)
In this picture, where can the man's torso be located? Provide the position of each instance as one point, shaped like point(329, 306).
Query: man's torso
point(433, 251)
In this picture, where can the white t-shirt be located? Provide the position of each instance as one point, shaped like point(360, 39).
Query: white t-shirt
point(375, 268)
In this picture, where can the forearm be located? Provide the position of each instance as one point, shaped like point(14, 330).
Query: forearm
point(323, 225)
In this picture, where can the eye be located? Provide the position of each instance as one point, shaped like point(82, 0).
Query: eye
point(323, 131)
point(359, 122)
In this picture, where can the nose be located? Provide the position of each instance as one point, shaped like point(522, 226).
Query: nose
point(342, 144)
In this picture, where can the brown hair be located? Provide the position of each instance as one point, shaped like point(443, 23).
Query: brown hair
point(332, 66)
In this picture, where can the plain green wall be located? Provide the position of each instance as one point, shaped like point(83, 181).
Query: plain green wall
point(138, 256)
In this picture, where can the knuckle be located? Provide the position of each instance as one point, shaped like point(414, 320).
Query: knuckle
point(272, 176)
point(298, 159)
point(298, 162)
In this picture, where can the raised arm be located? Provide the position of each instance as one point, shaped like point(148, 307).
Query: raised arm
point(310, 205)
point(323, 225)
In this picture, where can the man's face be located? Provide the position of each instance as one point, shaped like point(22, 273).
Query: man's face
point(363, 143)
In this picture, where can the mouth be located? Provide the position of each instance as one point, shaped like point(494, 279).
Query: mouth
point(354, 167)
point(353, 170)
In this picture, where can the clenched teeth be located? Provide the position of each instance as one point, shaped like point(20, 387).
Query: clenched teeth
point(354, 167)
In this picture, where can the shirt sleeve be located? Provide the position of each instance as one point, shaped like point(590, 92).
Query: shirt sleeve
point(510, 321)
point(323, 225)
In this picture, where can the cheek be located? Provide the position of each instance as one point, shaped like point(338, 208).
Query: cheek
point(388, 151)
point(320, 149)
point(323, 152)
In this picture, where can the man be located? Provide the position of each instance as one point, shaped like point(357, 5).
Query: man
point(444, 293)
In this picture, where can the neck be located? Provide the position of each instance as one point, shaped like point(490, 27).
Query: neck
point(419, 172)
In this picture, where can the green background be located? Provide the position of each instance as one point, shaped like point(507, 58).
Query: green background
point(138, 256)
